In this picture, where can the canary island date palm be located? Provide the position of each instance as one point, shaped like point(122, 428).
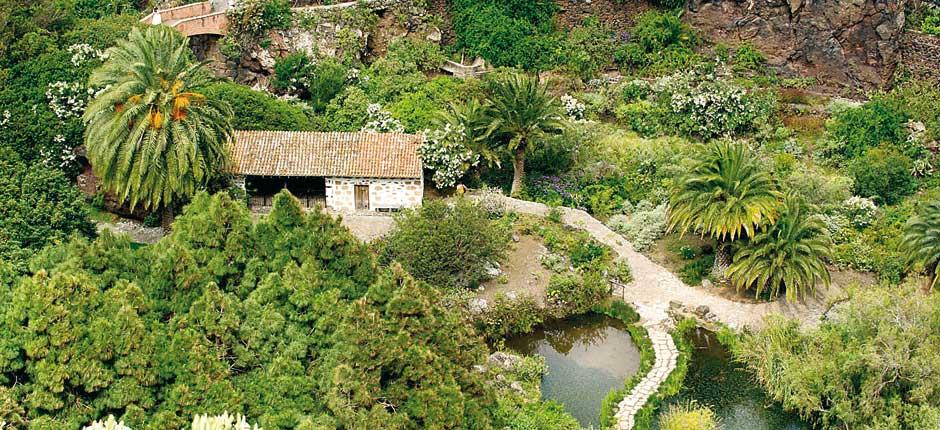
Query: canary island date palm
point(520, 113)
point(725, 195)
point(787, 255)
point(151, 135)
point(921, 243)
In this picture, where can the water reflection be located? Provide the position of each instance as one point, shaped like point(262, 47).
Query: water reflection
point(587, 356)
point(715, 380)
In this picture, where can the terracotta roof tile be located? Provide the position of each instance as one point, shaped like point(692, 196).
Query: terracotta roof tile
point(352, 155)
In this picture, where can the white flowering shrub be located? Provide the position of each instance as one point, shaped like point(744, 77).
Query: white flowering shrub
point(573, 108)
point(445, 153)
point(83, 53)
point(222, 422)
point(200, 422)
point(642, 225)
point(492, 201)
point(381, 121)
point(5, 118)
point(109, 424)
point(68, 99)
point(836, 226)
point(704, 105)
point(860, 211)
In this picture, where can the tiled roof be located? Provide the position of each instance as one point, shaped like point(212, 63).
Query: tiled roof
point(302, 153)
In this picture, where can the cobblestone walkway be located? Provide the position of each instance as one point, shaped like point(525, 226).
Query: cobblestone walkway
point(654, 286)
point(666, 355)
point(651, 292)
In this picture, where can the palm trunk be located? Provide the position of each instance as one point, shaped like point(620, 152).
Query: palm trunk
point(518, 169)
point(722, 262)
point(931, 277)
point(167, 216)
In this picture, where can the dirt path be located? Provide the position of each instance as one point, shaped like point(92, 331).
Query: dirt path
point(654, 287)
point(524, 274)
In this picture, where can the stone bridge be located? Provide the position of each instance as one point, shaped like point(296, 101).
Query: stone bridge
point(208, 17)
point(193, 19)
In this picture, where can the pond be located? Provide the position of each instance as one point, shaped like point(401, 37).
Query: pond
point(587, 356)
point(716, 381)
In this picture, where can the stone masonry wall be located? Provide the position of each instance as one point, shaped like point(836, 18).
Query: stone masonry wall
point(920, 55)
point(383, 193)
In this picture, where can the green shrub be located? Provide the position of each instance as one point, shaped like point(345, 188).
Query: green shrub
point(931, 22)
point(257, 110)
point(587, 252)
point(588, 49)
point(641, 225)
point(642, 117)
point(697, 270)
point(506, 32)
point(828, 372)
point(884, 175)
point(38, 207)
point(96, 9)
point(748, 59)
point(317, 81)
point(504, 316)
point(425, 55)
point(854, 130)
point(571, 294)
point(659, 43)
point(447, 243)
point(688, 416)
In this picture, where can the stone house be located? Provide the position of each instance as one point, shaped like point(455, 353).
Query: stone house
point(345, 172)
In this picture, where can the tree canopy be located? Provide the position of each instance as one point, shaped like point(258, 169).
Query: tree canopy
point(287, 321)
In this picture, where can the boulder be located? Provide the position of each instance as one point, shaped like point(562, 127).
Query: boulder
point(503, 360)
point(843, 43)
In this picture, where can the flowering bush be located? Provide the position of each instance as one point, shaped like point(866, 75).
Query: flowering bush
point(68, 100)
point(83, 53)
point(200, 422)
point(573, 108)
point(445, 152)
point(642, 225)
point(381, 121)
point(553, 189)
point(5, 118)
point(703, 105)
point(860, 211)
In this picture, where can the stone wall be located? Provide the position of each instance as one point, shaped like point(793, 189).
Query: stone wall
point(618, 14)
point(852, 44)
point(383, 193)
point(920, 55)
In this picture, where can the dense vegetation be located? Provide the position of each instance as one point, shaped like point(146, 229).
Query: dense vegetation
point(700, 155)
point(287, 320)
point(872, 367)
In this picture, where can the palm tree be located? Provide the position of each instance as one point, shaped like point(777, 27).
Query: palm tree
point(787, 255)
point(152, 137)
point(725, 195)
point(471, 118)
point(921, 242)
point(520, 112)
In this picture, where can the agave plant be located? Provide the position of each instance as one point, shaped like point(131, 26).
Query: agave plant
point(788, 255)
point(726, 195)
point(151, 135)
point(921, 242)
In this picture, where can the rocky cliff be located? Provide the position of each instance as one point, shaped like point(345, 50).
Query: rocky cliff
point(851, 44)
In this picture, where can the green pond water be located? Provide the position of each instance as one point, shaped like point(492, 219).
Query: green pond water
point(716, 381)
point(587, 356)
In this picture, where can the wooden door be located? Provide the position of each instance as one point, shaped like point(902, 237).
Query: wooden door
point(362, 197)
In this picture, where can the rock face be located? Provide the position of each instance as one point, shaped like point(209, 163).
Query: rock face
point(843, 43)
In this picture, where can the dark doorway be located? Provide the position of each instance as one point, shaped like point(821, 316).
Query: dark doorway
point(311, 191)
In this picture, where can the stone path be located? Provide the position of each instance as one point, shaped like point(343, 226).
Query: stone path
point(652, 290)
point(654, 286)
point(666, 356)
